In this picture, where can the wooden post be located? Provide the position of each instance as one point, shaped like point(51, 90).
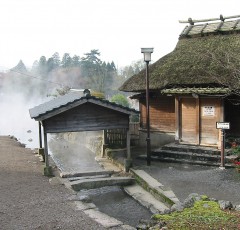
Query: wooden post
point(45, 148)
point(128, 145)
point(47, 169)
point(104, 143)
point(177, 119)
point(222, 166)
point(40, 134)
point(128, 161)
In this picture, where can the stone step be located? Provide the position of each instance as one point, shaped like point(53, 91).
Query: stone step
point(185, 161)
point(191, 148)
point(100, 182)
point(84, 174)
point(146, 199)
point(188, 156)
point(87, 177)
point(158, 190)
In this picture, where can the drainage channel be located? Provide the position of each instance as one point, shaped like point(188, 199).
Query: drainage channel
point(113, 201)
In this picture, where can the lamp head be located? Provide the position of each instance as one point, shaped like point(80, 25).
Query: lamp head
point(147, 53)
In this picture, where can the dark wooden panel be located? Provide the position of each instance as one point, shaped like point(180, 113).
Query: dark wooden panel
point(87, 117)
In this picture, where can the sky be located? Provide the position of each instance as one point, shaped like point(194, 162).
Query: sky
point(117, 28)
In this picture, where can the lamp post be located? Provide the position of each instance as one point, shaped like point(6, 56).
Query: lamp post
point(147, 58)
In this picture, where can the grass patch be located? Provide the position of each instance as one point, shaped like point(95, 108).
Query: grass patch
point(204, 215)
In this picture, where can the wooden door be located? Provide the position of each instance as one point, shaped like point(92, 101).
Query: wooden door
point(210, 110)
point(189, 132)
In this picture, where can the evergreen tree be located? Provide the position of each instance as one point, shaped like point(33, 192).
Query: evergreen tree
point(66, 60)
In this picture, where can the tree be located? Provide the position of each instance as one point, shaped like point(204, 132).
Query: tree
point(92, 57)
point(50, 65)
point(76, 61)
point(20, 67)
point(120, 99)
point(56, 59)
point(42, 66)
point(66, 60)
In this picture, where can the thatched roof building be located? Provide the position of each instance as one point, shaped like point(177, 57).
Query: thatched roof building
point(206, 55)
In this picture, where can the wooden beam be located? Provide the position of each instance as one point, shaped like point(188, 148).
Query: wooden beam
point(191, 21)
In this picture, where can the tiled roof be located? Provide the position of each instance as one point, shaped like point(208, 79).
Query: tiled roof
point(74, 99)
point(211, 27)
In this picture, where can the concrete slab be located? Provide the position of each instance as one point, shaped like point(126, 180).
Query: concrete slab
point(79, 205)
point(86, 173)
point(103, 219)
point(87, 177)
point(146, 199)
point(100, 182)
point(153, 186)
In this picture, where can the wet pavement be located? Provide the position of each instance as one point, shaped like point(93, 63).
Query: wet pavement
point(184, 179)
point(72, 157)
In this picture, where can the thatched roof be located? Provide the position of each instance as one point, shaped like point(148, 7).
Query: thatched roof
point(210, 57)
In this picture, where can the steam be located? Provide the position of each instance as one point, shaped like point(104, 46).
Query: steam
point(15, 102)
point(15, 119)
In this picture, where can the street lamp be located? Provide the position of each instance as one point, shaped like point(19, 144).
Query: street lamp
point(147, 58)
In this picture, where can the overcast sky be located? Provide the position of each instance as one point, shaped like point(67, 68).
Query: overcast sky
point(118, 28)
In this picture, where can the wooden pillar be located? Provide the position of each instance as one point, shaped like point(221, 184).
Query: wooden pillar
point(128, 145)
point(45, 147)
point(128, 160)
point(177, 119)
point(198, 115)
point(40, 134)
point(104, 143)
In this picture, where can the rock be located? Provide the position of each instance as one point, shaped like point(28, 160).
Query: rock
point(237, 207)
point(177, 207)
point(190, 200)
point(225, 204)
point(213, 199)
point(142, 227)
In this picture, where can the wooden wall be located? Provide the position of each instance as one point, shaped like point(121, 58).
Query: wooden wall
point(162, 113)
point(86, 117)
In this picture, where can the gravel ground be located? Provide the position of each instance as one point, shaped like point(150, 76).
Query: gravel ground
point(28, 200)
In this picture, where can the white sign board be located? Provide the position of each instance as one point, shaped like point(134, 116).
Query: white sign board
point(208, 111)
point(223, 125)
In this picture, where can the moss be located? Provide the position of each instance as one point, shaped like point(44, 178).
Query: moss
point(204, 215)
point(204, 198)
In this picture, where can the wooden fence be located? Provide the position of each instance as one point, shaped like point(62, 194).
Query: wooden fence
point(117, 138)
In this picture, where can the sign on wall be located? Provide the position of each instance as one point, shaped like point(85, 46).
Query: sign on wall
point(222, 125)
point(208, 111)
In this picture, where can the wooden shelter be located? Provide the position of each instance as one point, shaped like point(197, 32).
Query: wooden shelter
point(194, 86)
point(75, 112)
